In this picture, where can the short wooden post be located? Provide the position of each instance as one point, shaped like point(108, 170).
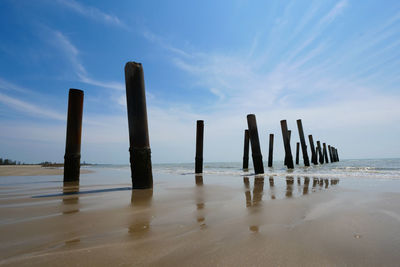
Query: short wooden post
point(330, 154)
point(325, 153)
point(333, 154)
point(289, 135)
point(140, 153)
point(72, 157)
point(320, 155)
point(337, 154)
point(297, 152)
point(303, 144)
point(286, 143)
point(199, 146)
point(246, 150)
point(314, 159)
point(255, 144)
point(271, 150)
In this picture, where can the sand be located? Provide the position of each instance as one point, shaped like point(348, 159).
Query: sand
point(31, 170)
point(208, 221)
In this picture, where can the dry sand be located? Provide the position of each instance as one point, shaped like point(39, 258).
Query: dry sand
point(188, 222)
point(31, 170)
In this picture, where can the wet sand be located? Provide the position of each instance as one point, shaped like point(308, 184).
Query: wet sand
point(31, 170)
point(202, 221)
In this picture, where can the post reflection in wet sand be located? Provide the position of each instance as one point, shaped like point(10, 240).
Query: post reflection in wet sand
point(305, 186)
point(289, 186)
point(70, 197)
point(253, 203)
point(272, 187)
point(200, 201)
point(141, 201)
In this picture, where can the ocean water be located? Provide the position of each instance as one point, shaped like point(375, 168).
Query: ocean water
point(362, 168)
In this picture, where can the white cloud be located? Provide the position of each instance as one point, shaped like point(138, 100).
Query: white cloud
point(91, 12)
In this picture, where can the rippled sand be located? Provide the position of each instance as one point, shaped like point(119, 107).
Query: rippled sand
point(191, 220)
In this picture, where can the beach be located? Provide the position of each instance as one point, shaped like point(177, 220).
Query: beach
point(31, 170)
point(224, 217)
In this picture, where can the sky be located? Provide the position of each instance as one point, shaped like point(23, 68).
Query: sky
point(333, 64)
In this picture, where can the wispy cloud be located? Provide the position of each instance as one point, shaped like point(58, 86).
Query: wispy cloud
point(29, 108)
point(92, 12)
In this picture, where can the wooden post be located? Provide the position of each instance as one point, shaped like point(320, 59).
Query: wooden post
point(320, 156)
point(337, 155)
point(286, 143)
point(314, 159)
point(297, 152)
point(72, 157)
point(289, 135)
point(271, 150)
point(199, 146)
point(303, 144)
point(333, 154)
point(246, 150)
point(330, 154)
point(140, 153)
point(255, 144)
point(325, 153)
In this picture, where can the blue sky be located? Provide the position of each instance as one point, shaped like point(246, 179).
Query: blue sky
point(334, 64)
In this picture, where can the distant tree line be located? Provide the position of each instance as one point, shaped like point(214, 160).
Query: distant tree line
point(9, 162)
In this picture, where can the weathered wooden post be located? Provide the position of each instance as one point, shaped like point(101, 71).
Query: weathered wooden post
point(255, 144)
point(289, 135)
point(297, 152)
point(314, 159)
point(140, 153)
point(72, 157)
point(330, 154)
point(320, 156)
point(286, 143)
point(199, 146)
point(303, 144)
point(325, 153)
point(246, 150)
point(271, 150)
point(337, 154)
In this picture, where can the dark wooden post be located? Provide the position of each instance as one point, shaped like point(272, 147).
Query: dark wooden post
point(303, 144)
point(140, 153)
point(255, 144)
point(314, 159)
point(297, 152)
point(271, 150)
point(330, 154)
point(72, 157)
point(337, 155)
point(320, 156)
point(325, 153)
point(199, 146)
point(286, 143)
point(289, 135)
point(246, 150)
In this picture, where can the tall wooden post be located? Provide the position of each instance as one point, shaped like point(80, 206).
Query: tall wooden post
point(255, 144)
point(140, 153)
point(72, 157)
point(330, 154)
point(289, 135)
point(303, 144)
point(246, 150)
point(271, 150)
point(286, 143)
point(199, 146)
point(314, 159)
point(320, 156)
point(297, 152)
point(325, 153)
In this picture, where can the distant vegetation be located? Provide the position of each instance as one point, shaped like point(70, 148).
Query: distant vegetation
point(43, 164)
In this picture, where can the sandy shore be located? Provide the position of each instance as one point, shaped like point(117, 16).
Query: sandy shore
point(31, 170)
point(189, 221)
